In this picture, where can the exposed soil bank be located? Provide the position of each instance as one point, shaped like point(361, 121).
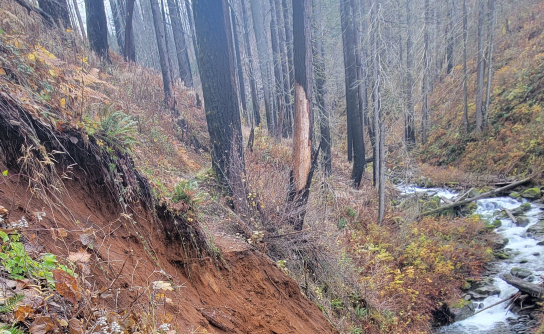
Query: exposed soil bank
point(240, 292)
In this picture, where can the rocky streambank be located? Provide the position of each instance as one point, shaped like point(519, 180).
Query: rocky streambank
point(490, 304)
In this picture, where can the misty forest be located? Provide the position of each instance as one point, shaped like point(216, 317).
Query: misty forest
point(271, 166)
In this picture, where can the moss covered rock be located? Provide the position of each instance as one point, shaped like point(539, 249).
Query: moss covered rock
point(515, 195)
point(521, 209)
point(531, 193)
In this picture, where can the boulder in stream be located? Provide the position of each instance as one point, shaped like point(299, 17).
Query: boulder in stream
point(463, 311)
point(515, 195)
point(520, 210)
point(537, 229)
point(520, 272)
point(487, 290)
point(522, 221)
point(531, 193)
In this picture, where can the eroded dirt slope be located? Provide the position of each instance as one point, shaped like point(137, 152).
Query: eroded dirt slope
point(241, 291)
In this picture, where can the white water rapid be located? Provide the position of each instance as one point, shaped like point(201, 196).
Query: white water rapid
point(524, 253)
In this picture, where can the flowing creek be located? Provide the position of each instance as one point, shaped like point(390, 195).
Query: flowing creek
point(524, 253)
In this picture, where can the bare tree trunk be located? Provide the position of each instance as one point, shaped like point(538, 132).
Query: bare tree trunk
point(166, 42)
point(278, 74)
point(258, 27)
point(287, 18)
point(409, 128)
point(491, 32)
point(216, 66)
point(239, 67)
point(481, 66)
point(179, 40)
point(450, 48)
point(252, 83)
point(303, 164)
point(381, 187)
point(97, 27)
point(117, 23)
point(320, 80)
point(347, 78)
point(284, 68)
point(426, 64)
point(192, 32)
point(130, 46)
point(163, 53)
point(355, 115)
point(81, 26)
point(376, 95)
point(465, 77)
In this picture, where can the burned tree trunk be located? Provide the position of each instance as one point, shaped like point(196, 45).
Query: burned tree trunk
point(409, 128)
point(354, 114)
point(303, 164)
point(130, 46)
point(179, 41)
point(256, 13)
point(252, 83)
point(161, 44)
point(278, 73)
point(239, 67)
point(58, 10)
point(216, 66)
point(284, 68)
point(320, 80)
point(97, 27)
point(118, 24)
point(480, 72)
point(465, 77)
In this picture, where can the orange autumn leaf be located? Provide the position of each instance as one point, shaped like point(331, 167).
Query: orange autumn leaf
point(23, 312)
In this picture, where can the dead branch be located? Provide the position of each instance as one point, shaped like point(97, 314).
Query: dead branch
point(509, 213)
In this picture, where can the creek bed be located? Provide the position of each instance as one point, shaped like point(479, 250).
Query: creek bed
point(524, 253)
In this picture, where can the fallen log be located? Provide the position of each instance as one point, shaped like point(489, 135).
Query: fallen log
point(484, 195)
point(533, 290)
point(459, 198)
point(509, 213)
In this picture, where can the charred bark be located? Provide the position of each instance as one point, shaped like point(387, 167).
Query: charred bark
point(182, 55)
point(130, 46)
point(97, 27)
point(216, 66)
point(303, 160)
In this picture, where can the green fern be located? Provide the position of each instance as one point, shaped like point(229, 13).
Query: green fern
point(11, 303)
point(118, 129)
point(11, 330)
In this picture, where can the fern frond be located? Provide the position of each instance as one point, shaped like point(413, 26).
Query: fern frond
point(11, 303)
point(11, 330)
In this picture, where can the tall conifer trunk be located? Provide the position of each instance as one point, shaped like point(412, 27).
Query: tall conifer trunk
point(179, 41)
point(303, 164)
point(252, 83)
point(320, 81)
point(258, 27)
point(97, 27)
point(163, 53)
point(216, 66)
point(130, 46)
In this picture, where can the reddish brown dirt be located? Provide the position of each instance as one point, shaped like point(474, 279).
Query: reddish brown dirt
point(242, 292)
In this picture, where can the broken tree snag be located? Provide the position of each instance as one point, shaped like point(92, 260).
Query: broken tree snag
point(534, 290)
point(304, 159)
point(484, 195)
point(302, 143)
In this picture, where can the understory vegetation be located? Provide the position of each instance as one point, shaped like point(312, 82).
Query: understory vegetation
point(62, 107)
